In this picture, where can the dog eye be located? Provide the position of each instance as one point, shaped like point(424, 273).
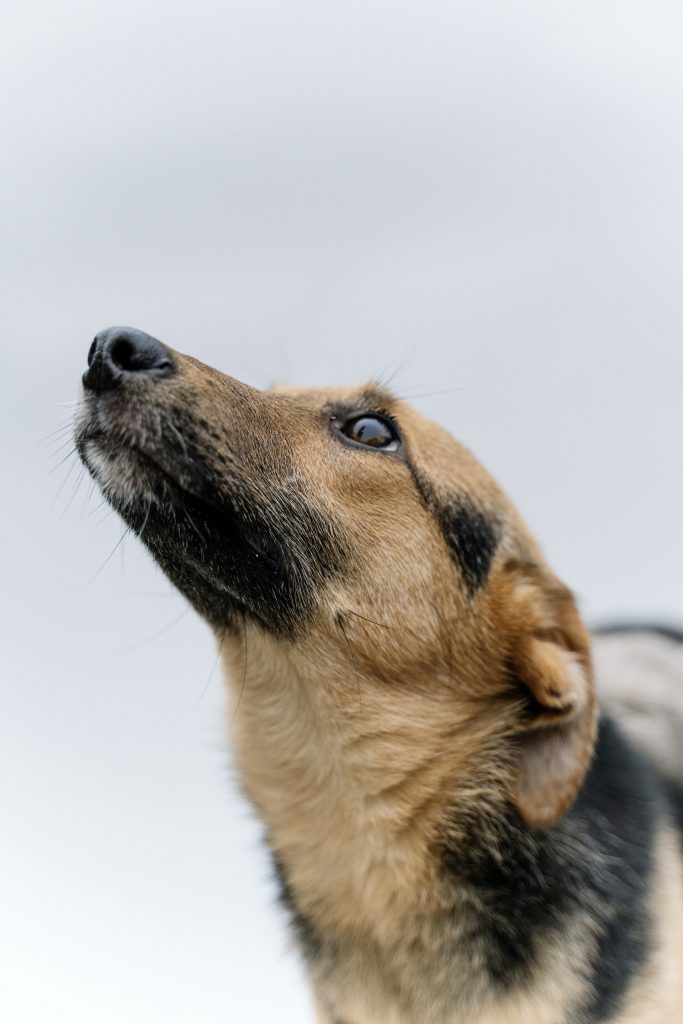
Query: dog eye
point(373, 431)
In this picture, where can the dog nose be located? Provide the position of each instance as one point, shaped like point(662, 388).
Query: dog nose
point(118, 354)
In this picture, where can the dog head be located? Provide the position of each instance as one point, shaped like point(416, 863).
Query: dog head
point(344, 529)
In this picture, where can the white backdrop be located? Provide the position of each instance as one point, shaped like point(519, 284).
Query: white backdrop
point(484, 195)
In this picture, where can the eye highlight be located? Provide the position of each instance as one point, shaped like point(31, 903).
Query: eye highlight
point(372, 431)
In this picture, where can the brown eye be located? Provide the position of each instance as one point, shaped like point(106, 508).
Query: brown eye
point(373, 431)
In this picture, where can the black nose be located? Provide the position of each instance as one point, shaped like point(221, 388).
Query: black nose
point(118, 354)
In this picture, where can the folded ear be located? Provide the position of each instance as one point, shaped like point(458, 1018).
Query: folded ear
point(550, 658)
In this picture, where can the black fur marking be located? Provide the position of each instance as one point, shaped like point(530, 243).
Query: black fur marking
point(267, 559)
point(667, 632)
point(237, 551)
point(619, 809)
point(310, 942)
point(472, 540)
point(598, 860)
point(470, 535)
point(675, 794)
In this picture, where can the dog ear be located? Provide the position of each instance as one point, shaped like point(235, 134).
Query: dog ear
point(550, 660)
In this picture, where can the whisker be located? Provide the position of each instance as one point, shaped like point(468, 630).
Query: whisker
point(88, 496)
point(110, 555)
point(61, 447)
point(154, 636)
point(382, 625)
point(411, 396)
point(63, 483)
point(97, 507)
point(68, 425)
point(144, 525)
point(340, 622)
point(122, 549)
point(206, 684)
point(181, 439)
point(366, 619)
point(396, 366)
point(195, 527)
point(62, 461)
point(246, 662)
point(77, 485)
point(103, 519)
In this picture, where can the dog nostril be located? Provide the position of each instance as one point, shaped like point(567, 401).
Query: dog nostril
point(122, 354)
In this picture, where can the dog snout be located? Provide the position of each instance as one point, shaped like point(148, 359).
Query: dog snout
point(119, 354)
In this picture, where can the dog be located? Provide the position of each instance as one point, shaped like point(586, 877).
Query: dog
point(459, 833)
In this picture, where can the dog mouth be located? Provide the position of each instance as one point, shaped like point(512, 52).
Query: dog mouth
point(133, 476)
point(236, 544)
point(199, 538)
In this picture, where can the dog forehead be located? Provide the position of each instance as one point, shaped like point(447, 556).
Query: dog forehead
point(431, 450)
point(372, 397)
point(446, 462)
point(366, 396)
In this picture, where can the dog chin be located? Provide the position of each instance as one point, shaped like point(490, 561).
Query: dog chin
point(178, 527)
point(120, 474)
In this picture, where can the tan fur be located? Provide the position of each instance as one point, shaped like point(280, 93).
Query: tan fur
point(351, 766)
point(364, 738)
point(406, 702)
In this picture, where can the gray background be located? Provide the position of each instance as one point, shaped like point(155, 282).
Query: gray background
point(485, 197)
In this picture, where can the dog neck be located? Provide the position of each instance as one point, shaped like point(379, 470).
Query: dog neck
point(355, 795)
point(392, 834)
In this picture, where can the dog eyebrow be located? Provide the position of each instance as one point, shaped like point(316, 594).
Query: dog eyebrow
point(370, 399)
point(374, 396)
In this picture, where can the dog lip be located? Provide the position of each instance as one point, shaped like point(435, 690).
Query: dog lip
point(125, 447)
point(218, 516)
point(90, 435)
